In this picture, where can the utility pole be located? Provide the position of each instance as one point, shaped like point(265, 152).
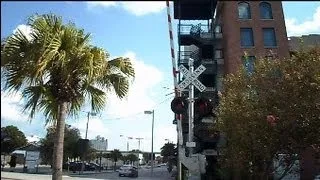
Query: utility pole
point(152, 144)
point(88, 115)
point(87, 125)
point(152, 127)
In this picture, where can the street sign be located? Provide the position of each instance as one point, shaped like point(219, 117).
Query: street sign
point(191, 78)
point(191, 144)
point(210, 152)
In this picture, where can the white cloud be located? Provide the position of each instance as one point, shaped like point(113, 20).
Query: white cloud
point(25, 29)
point(92, 4)
point(311, 26)
point(143, 8)
point(11, 106)
point(139, 99)
point(136, 8)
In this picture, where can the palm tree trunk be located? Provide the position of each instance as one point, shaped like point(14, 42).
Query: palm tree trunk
point(58, 144)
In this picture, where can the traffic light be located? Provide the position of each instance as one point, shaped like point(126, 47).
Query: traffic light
point(179, 105)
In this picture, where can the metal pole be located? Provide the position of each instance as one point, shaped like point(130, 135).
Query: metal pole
point(139, 141)
point(139, 145)
point(152, 143)
point(82, 165)
point(128, 145)
point(87, 126)
point(191, 107)
point(100, 161)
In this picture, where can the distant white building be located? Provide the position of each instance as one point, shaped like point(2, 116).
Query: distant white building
point(99, 144)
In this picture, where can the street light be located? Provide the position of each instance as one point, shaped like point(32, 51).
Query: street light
point(88, 114)
point(127, 141)
point(139, 140)
point(151, 112)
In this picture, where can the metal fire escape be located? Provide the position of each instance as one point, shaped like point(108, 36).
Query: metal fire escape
point(198, 38)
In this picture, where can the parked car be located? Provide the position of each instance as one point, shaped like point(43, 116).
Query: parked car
point(129, 171)
point(95, 166)
point(317, 177)
point(76, 166)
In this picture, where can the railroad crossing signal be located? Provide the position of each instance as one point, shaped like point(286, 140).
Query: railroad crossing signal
point(191, 78)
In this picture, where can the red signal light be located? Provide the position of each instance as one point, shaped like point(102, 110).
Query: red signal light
point(203, 106)
point(179, 105)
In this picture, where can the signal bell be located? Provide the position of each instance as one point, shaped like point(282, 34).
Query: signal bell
point(179, 105)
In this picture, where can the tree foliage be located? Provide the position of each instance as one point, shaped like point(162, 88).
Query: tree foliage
point(131, 158)
point(70, 147)
point(115, 155)
point(13, 161)
point(275, 110)
point(11, 138)
point(168, 150)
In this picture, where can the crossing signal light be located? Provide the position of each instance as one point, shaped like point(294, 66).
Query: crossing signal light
point(179, 105)
point(203, 107)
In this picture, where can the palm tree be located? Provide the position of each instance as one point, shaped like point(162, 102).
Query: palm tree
point(115, 156)
point(57, 70)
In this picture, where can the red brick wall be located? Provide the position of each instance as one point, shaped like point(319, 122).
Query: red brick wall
point(231, 25)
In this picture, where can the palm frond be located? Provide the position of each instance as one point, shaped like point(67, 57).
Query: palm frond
point(124, 65)
point(97, 97)
point(33, 95)
point(76, 105)
point(118, 82)
point(49, 106)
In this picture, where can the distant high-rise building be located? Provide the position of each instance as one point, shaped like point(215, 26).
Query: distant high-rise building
point(99, 144)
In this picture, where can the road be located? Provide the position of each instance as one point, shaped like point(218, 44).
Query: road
point(160, 173)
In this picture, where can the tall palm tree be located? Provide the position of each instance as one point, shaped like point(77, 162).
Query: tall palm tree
point(57, 70)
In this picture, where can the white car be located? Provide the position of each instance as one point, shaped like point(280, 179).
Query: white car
point(317, 177)
point(128, 170)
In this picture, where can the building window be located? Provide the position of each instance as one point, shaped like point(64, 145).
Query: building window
point(269, 37)
point(246, 37)
point(248, 62)
point(265, 10)
point(244, 10)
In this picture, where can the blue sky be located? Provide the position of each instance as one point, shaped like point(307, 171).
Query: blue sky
point(138, 30)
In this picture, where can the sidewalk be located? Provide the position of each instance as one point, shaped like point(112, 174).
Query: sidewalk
point(26, 176)
point(46, 170)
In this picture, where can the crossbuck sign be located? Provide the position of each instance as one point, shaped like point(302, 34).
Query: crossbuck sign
point(191, 78)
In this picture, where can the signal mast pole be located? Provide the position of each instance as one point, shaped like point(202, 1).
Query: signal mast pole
point(191, 108)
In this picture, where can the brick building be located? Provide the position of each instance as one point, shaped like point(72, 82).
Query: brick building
point(256, 27)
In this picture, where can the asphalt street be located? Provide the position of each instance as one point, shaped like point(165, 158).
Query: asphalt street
point(159, 173)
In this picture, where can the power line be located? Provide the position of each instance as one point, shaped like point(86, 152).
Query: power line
point(142, 112)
